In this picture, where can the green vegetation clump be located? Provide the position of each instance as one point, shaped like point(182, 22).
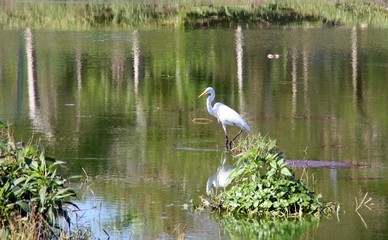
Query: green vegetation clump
point(263, 185)
point(33, 196)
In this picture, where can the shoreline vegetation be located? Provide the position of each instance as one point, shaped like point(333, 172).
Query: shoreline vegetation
point(185, 14)
point(35, 200)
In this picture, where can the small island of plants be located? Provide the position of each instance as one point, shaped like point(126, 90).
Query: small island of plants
point(263, 186)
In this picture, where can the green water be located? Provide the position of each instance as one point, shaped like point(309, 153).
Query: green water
point(122, 105)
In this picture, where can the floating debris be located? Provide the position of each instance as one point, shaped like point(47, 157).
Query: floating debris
point(273, 56)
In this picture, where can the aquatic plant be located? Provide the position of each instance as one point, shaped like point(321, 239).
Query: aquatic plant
point(263, 185)
point(31, 189)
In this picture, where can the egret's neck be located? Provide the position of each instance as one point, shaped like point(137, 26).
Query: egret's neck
point(210, 109)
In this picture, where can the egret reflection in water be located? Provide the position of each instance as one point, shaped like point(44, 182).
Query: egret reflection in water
point(221, 178)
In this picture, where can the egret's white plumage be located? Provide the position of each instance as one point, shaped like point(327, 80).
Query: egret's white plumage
point(225, 115)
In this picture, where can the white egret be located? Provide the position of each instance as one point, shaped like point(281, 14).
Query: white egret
point(225, 115)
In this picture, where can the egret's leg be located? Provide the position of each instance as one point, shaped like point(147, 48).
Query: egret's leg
point(230, 145)
point(226, 136)
point(238, 134)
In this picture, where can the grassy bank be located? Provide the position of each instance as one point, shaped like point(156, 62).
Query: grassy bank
point(181, 14)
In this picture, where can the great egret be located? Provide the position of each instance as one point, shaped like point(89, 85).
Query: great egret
point(225, 115)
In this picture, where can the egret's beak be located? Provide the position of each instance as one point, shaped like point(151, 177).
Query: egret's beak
point(201, 94)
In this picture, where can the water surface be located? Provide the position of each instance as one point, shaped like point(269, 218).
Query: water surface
point(120, 105)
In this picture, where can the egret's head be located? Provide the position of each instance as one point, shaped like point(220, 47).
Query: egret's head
point(208, 90)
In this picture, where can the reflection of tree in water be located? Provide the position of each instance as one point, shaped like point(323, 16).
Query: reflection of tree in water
point(39, 109)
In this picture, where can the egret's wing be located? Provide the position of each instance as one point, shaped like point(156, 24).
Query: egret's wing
point(228, 116)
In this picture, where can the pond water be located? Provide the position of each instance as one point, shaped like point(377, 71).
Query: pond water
point(122, 106)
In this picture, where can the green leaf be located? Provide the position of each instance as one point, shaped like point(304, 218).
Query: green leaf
point(34, 165)
point(33, 176)
point(53, 174)
point(273, 164)
point(19, 180)
point(51, 215)
point(271, 172)
point(266, 204)
point(59, 182)
point(12, 145)
point(64, 193)
point(61, 197)
point(280, 162)
point(286, 172)
point(24, 205)
point(42, 195)
point(57, 163)
point(42, 167)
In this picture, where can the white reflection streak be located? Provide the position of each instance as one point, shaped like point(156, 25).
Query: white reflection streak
point(239, 58)
point(354, 62)
point(78, 59)
point(136, 71)
point(140, 113)
point(136, 59)
point(39, 123)
point(30, 74)
point(294, 83)
point(306, 83)
point(117, 64)
point(239, 52)
point(178, 67)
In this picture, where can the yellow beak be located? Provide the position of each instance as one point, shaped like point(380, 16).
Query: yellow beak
point(201, 94)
